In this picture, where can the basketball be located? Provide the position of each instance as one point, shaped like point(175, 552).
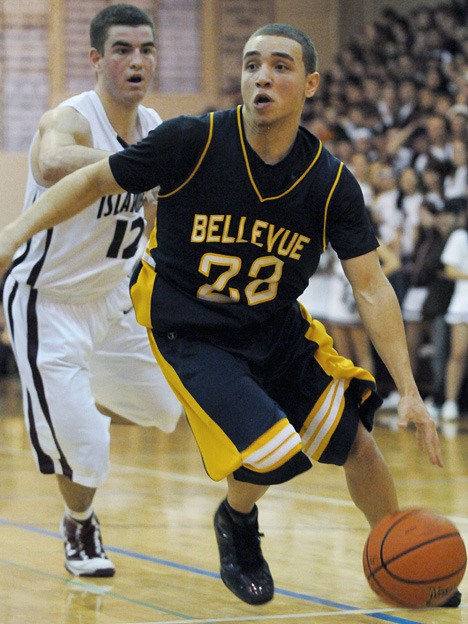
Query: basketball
point(414, 558)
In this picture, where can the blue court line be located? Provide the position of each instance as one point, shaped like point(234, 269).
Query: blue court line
point(88, 587)
point(200, 571)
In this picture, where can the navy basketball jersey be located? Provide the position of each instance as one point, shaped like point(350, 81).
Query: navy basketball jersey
point(236, 240)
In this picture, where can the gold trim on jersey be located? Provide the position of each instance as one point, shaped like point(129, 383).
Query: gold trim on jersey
point(332, 190)
point(249, 171)
point(197, 166)
point(143, 285)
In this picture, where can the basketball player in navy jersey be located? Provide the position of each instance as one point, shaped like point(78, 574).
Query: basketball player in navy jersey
point(69, 314)
point(248, 201)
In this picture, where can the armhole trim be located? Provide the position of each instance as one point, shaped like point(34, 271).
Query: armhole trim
point(332, 190)
point(197, 166)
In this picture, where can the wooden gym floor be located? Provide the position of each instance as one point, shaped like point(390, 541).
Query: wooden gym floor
point(156, 512)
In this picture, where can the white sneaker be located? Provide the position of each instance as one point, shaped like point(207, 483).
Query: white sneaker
point(450, 411)
point(391, 402)
point(433, 409)
point(84, 553)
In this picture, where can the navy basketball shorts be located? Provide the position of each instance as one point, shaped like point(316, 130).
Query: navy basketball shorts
point(264, 404)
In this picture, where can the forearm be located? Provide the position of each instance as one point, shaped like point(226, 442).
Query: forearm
point(381, 315)
point(55, 164)
point(380, 312)
point(62, 201)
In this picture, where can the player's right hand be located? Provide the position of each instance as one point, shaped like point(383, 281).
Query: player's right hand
point(412, 410)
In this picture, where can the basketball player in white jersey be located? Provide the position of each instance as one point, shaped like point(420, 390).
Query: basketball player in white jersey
point(81, 355)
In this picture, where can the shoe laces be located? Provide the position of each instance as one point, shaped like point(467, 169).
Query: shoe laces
point(247, 545)
point(87, 538)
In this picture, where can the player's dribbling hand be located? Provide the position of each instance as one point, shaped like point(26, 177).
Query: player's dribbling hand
point(412, 410)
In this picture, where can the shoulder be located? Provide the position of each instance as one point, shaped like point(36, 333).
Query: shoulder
point(191, 122)
point(308, 141)
point(149, 116)
point(65, 120)
point(332, 169)
point(184, 129)
point(73, 115)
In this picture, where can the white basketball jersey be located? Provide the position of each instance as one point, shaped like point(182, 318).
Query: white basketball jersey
point(91, 253)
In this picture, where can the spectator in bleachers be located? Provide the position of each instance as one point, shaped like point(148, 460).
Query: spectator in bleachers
point(427, 299)
point(440, 145)
point(416, 294)
point(359, 165)
point(433, 182)
point(456, 179)
point(439, 294)
point(384, 207)
point(399, 92)
point(427, 100)
point(408, 110)
point(457, 116)
point(455, 260)
point(387, 104)
point(409, 200)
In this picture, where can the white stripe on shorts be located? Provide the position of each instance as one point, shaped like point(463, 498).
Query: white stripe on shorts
point(325, 419)
point(274, 450)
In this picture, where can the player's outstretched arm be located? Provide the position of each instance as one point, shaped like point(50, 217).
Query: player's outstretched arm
point(380, 312)
point(63, 144)
point(63, 200)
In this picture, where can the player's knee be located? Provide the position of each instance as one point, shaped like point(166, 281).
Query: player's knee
point(364, 449)
point(87, 452)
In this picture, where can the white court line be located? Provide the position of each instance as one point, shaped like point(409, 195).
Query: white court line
point(220, 485)
point(288, 616)
point(278, 491)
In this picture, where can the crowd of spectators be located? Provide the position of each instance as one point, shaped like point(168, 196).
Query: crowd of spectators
point(394, 108)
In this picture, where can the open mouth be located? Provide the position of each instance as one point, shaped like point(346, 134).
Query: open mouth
point(262, 99)
point(135, 79)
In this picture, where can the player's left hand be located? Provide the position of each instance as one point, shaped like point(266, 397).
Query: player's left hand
point(412, 410)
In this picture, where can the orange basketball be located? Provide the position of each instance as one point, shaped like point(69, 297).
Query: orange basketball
point(414, 558)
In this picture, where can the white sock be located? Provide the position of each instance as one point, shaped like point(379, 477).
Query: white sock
point(81, 516)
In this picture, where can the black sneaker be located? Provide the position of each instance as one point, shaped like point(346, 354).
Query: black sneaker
point(243, 569)
point(84, 552)
point(453, 601)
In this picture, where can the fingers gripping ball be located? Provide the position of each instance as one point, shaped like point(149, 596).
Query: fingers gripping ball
point(414, 558)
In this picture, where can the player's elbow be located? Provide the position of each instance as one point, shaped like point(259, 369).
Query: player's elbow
point(99, 178)
point(51, 170)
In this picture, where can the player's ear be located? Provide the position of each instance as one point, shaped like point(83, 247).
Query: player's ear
point(312, 83)
point(94, 57)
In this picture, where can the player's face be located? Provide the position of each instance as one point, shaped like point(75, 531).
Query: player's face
point(274, 80)
point(126, 68)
